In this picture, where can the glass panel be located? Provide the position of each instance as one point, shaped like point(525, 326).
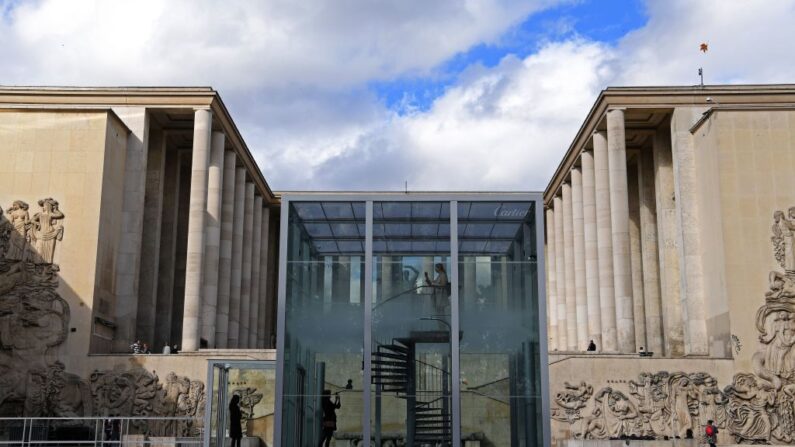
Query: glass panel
point(217, 432)
point(323, 322)
point(255, 387)
point(411, 360)
point(498, 304)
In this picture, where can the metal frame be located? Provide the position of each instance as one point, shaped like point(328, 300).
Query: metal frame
point(453, 198)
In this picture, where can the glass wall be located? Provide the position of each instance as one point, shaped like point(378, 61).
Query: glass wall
point(411, 346)
point(323, 314)
point(420, 289)
point(498, 305)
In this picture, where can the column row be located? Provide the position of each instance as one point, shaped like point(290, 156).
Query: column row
point(621, 267)
point(205, 259)
point(594, 297)
point(225, 289)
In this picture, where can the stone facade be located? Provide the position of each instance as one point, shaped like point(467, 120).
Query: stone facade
point(92, 257)
point(711, 190)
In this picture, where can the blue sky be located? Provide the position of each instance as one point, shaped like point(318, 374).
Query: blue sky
point(599, 20)
point(368, 94)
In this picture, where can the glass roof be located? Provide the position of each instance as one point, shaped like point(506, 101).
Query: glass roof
point(413, 228)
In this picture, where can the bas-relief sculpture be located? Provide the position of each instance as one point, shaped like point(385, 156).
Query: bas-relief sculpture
point(34, 322)
point(756, 408)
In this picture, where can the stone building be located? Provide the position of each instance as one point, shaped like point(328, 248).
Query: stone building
point(669, 245)
point(129, 214)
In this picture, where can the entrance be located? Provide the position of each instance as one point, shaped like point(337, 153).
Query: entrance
point(254, 382)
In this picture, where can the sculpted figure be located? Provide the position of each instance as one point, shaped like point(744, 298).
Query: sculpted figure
point(46, 230)
point(682, 404)
point(782, 288)
point(711, 401)
point(775, 362)
point(20, 222)
point(571, 400)
point(747, 410)
point(614, 416)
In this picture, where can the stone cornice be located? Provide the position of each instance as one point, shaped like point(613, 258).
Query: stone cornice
point(663, 99)
point(94, 98)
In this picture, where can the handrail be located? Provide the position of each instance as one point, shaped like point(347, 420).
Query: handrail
point(407, 291)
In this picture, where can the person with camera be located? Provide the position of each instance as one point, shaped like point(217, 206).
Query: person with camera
point(329, 417)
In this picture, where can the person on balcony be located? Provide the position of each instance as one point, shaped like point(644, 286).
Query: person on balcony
point(440, 295)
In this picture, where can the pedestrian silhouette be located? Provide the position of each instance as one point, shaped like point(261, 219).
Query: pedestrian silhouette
point(329, 417)
point(235, 430)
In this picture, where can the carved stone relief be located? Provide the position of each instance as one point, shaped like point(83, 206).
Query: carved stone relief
point(756, 408)
point(34, 321)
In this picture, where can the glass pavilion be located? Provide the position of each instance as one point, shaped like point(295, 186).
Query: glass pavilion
point(422, 313)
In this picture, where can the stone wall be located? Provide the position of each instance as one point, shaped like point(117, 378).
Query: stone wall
point(61, 183)
point(656, 398)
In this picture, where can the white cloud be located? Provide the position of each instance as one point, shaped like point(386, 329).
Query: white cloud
point(244, 44)
point(750, 41)
point(295, 76)
point(507, 127)
point(500, 128)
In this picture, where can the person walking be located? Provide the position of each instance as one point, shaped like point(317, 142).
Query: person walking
point(711, 433)
point(329, 417)
point(235, 429)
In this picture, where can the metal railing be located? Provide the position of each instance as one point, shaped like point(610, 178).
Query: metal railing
point(100, 431)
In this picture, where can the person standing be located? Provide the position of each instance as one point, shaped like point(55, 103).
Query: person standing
point(329, 417)
point(711, 433)
point(235, 429)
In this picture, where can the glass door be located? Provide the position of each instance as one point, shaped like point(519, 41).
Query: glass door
point(253, 382)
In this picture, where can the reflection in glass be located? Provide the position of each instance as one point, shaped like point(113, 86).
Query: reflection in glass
point(410, 324)
point(324, 319)
point(411, 350)
point(498, 306)
point(255, 387)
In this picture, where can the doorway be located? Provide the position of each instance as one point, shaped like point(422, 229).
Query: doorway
point(255, 383)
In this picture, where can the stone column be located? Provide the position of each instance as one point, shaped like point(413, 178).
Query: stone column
point(560, 274)
point(638, 301)
point(168, 256)
point(262, 335)
point(691, 275)
point(150, 243)
point(245, 284)
point(619, 219)
point(212, 245)
point(649, 252)
point(581, 294)
point(128, 259)
point(591, 252)
point(552, 293)
point(237, 259)
point(668, 244)
point(604, 239)
point(194, 264)
point(225, 251)
point(568, 264)
point(253, 329)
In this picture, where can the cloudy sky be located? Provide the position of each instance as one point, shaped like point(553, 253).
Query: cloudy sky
point(367, 94)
